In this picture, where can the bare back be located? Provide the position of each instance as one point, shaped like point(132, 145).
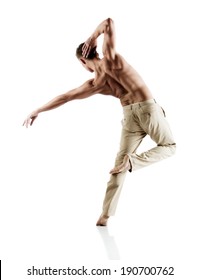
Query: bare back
point(126, 83)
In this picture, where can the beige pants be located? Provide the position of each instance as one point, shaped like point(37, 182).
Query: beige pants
point(140, 119)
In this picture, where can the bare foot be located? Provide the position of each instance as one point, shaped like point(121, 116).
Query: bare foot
point(102, 221)
point(125, 166)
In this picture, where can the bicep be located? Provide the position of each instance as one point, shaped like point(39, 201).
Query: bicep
point(84, 91)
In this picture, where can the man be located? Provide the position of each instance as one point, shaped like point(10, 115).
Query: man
point(142, 115)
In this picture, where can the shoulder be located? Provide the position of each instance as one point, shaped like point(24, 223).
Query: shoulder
point(119, 59)
point(115, 59)
point(118, 62)
point(87, 85)
point(94, 85)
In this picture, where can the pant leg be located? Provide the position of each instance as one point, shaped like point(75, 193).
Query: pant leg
point(153, 121)
point(131, 137)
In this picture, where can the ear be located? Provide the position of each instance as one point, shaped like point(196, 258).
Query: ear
point(82, 60)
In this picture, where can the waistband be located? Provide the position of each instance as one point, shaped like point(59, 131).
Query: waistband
point(138, 104)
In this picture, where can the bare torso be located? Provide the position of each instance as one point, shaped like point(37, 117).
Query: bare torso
point(122, 81)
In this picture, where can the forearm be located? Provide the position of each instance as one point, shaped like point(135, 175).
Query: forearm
point(101, 28)
point(54, 103)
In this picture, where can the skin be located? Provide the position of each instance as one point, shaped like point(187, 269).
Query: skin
point(112, 76)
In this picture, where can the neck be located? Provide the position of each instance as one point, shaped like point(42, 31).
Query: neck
point(94, 64)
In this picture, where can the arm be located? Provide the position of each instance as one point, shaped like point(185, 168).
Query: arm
point(107, 28)
point(86, 90)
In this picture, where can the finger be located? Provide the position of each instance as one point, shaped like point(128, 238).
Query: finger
point(84, 52)
point(24, 123)
point(87, 52)
point(114, 171)
point(27, 123)
point(84, 48)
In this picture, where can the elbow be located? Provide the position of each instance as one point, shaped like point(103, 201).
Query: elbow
point(109, 25)
point(110, 21)
point(64, 98)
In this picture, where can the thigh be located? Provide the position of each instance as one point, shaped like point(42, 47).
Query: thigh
point(154, 123)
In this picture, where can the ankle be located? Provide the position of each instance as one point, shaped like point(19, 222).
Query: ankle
point(104, 216)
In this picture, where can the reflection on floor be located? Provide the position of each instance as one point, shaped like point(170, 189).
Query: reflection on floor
point(109, 243)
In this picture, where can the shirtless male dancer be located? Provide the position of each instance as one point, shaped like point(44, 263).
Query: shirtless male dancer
point(142, 115)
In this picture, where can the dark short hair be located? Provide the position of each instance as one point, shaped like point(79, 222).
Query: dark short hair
point(91, 55)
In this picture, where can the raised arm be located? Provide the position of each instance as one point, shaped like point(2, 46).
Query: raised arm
point(86, 90)
point(107, 28)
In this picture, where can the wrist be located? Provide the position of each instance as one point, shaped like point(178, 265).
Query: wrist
point(38, 111)
point(91, 39)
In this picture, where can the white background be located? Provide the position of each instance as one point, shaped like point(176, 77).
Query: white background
point(54, 174)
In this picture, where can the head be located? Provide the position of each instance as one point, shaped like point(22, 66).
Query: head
point(93, 54)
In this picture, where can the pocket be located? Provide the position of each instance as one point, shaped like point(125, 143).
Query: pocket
point(153, 108)
point(163, 111)
point(149, 108)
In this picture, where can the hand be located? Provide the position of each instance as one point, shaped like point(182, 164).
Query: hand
point(88, 45)
point(30, 119)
